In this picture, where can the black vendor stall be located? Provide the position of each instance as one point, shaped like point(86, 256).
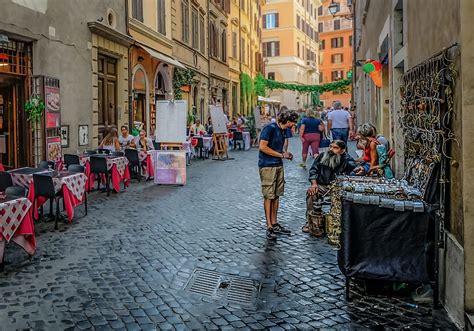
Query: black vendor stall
point(392, 229)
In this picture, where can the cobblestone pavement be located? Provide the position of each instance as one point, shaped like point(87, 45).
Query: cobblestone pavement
point(126, 264)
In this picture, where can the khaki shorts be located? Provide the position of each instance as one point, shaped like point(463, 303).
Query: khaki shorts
point(273, 182)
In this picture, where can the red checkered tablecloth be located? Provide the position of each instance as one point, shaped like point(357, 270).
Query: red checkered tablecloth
point(76, 184)
point(12, 214)
point(23, 180)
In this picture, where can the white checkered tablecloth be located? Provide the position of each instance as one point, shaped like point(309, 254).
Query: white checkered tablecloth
point(23, 180)
point(75, 183)
point(12, 214)
point(120, 161)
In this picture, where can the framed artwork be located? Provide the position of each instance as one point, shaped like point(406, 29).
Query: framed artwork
point(65, 136)
point(83, 135)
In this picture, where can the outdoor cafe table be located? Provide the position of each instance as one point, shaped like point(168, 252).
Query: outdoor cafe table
point(118, 165)
point(16, 225)
point(72, 184)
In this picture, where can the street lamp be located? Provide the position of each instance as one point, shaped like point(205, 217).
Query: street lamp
point(334, 8)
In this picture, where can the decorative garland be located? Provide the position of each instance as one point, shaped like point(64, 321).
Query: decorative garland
point(339, 86)
point(34, 109)
point(182, 77)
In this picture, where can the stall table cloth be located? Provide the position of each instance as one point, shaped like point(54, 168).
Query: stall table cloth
point(117, 164)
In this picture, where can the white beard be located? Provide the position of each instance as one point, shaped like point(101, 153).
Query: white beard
point(331, 161)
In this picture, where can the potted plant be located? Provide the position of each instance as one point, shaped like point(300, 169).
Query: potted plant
point(34, 109)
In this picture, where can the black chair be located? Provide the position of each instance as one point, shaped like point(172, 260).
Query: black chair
point(44, 187)
point(15, 192)
point(98, 167)
point(118, 153)
point(200, 147)
point(70, 159)
point(238, 139)
point(103, 151)
point(46, 165)
point(5, 181)
point(156, 145)
point(77, 168)
point(134, 163)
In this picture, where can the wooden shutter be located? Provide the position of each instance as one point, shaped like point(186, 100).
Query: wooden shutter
point(276, 20)
point(277, 48)
point(264, 21)
point(264, 49)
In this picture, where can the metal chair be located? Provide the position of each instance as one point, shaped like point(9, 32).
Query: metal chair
point(15, 192)
point(77, 168)
point(134, 163)
point(70, 159)
point(44, 187)
point(5, 181)
point(46, 165)
point(238, 139)
point(98, 166)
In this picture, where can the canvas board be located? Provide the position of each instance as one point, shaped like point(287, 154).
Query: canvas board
point(256, 115)
point(219, 121)
point(171, 121)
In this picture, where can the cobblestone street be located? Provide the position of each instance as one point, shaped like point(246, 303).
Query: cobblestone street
point(127, 264)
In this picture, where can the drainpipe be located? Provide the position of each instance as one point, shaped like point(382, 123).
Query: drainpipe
point(354, 53)
point(130, 97)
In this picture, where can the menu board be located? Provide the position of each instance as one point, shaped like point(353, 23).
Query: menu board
point(219, 121)
point(170, 167)
point(53, 148)
point(171, 121)
point(53, 107)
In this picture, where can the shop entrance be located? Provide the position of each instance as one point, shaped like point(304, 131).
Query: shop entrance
point(13, 136)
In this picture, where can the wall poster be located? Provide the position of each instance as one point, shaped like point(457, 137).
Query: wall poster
point(53, 148)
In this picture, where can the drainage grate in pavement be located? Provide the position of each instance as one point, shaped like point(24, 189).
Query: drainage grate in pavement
point(228, 289)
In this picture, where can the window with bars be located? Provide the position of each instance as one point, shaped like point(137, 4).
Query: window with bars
point(137, 9)
point(337, 75)
point(271, 48)
point(195, 27)
point(202, 35)
point(224, 45)
point(15, 57)
point(337, 58)
point(161, 11)
point(270, 21)
point(234, 45)
point(337, 42)
point(184, 21)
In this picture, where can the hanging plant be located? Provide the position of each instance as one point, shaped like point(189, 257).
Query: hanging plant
point(182, 77)
point(34, 109)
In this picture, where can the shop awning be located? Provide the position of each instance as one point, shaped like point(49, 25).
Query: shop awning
point(267, 100)
point(162, 57)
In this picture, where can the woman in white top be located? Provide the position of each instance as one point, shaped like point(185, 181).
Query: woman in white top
point(111, 141)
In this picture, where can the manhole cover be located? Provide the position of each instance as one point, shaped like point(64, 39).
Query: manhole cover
point(229, 289)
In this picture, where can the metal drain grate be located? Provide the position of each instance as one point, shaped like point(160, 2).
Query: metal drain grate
point(228, 288)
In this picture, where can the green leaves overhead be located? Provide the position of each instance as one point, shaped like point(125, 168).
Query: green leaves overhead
point(340, 86)
point(182, 77)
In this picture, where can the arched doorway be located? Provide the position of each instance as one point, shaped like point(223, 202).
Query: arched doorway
point(140, 99)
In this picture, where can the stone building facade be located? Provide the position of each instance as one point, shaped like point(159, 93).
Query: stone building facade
point(60, 42)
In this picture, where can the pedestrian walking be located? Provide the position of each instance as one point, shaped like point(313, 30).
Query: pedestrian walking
point(273, 144)
point(310, 133)
point(339, 122)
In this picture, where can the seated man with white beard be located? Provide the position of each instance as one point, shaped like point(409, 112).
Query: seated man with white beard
point(324, 170)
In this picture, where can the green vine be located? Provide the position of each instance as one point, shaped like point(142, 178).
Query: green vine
point(339, 86)
point(34, 109)
point(246, 93)
point(182, 77)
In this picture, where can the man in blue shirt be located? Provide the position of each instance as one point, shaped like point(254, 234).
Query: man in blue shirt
point(273, 144)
